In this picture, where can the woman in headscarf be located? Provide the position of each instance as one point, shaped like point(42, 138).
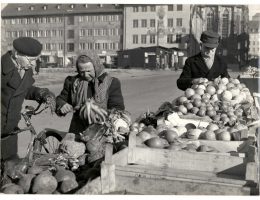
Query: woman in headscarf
point(91, 82)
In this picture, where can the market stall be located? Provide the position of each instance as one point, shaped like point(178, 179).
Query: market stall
point(205, 142)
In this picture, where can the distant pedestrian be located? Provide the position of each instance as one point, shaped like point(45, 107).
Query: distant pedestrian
point(38, 66)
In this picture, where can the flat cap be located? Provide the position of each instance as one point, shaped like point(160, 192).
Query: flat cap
point(210, 39)
point(27, 46)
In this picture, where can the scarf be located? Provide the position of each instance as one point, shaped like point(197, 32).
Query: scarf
point(80, 92)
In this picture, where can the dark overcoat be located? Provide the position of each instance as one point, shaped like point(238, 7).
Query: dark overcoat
point(195, 67)
point(115, 99)
point(13, 92)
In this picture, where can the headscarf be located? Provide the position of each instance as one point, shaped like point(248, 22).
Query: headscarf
point(80, 87)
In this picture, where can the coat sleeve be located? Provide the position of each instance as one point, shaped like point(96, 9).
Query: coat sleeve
point(64, 96)
point(185, 78)
point(115, 97)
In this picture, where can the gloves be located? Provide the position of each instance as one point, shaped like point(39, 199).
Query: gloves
point(48, 98)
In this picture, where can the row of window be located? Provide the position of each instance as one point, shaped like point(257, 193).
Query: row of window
point(99, 32)
point(82, 46)
point(145, 8)
point(98, 46)
point(98, 18)
point(170, 22)
point(59, 33)
point(254, 49)
point(33, 20)
point(171, 38)
point(35, 33)
point(43, 20)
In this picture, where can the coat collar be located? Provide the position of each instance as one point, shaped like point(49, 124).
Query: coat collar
point(7, 63)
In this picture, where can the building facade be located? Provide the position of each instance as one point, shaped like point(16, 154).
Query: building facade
point(230, 21)
point(65, 30)
point(254, 37)
point(161, 25)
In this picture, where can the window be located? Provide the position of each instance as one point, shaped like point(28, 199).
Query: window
point(97, 46)
point(71, 20)
point(170, 7)
point(170, 22)
point(48, 46)
point(225, 27)
point(12, 21)
point(60, 46)
point(224, 52)
point(53, 33)
point(170, 38)
point(90, 46)
point(81, 18)
point(27, 33)
point(238, 45)
point(60, 33)
point(179, 7)
point(135, 39)
point(70, 34)
point(178, 38)
point(81, 46)
point(19, 33)
point(152, 22)
point(135, 9)
point(70, 47)
point(135, 23)
point(152, 8)
point(48, 33)
point(144, 23)
point(143, 39)
point(90, 32)
point(210, 21)
point(81, 32)
point(152, 39)
point(179, 22)
point(144, 8)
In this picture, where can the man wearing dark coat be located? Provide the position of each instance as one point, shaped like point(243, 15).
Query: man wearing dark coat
point(205, 64)
point(91, 82)
point(16, 85)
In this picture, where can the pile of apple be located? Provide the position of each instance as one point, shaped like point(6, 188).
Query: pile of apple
point(220, 99)
point(168, 137)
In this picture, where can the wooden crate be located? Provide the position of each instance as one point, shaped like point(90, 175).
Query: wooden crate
point(139, 170)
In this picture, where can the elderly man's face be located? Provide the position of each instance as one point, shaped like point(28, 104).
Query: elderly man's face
point(86, 71)
point(26, 62)
point(207, 52)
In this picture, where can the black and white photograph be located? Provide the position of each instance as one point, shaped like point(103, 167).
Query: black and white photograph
point(130, 98)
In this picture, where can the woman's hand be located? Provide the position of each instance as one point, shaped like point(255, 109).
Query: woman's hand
point(66, 108)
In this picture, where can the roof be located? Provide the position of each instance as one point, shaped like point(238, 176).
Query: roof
point(18, 10)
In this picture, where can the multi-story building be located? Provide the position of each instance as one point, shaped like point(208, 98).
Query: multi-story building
point(230, 21)
point(65, 30)
point(254, 40)
point(160, 25)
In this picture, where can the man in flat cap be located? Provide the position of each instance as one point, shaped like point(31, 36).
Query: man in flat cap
point(16, 85)
point(205, 64)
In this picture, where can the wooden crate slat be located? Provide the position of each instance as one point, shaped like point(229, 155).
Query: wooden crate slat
point(189, 160)
point(173, 174)
point(153, 186)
